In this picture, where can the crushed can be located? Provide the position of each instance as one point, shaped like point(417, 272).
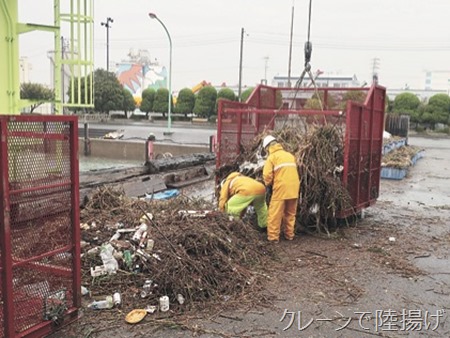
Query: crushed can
point(164, 303)
point(117, 299)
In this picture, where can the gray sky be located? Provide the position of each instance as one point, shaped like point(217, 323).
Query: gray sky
point(407, 36)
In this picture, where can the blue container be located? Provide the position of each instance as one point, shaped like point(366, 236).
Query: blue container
point(393, 173)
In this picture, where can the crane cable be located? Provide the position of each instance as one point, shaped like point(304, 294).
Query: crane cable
point(307, 68)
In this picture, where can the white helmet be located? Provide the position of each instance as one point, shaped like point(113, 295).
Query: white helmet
point(267, 140)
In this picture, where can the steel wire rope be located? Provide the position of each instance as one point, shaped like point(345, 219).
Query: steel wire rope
point(307, 68)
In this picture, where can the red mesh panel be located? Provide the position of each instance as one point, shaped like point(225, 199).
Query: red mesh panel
point(34, 285)
point(42, 196)
point(2, 324)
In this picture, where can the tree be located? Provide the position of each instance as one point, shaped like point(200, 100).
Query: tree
point(406, 103)
point(185, 102)
point(439, 108)
point(225, 94)
point(317, 102)
point(37, 93)
point(148, 98)
point(389, 106)
point(108, 93)
point(160, 104)
point(205, 102)
point(128, 101)
point(357, 96)
point(246, 94)
point(314, 104)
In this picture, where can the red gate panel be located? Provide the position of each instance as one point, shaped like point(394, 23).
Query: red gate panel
point(40, 251)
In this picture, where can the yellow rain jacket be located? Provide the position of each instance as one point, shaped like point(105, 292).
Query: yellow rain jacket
point(280, 171)
point(234, 184)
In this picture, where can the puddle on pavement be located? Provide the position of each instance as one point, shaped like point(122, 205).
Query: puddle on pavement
point(434, 265)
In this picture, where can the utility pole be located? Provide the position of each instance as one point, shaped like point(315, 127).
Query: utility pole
point(375, 67)
point(107, 24)
point(240, 64)
point(290, 46)
point(266, 61)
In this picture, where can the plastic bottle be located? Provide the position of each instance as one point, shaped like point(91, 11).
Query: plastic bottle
point(128, 259)
point(102, 304)
point(110, 263)
point(150, 245)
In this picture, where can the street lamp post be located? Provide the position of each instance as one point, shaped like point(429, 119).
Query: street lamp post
point(107, 25)
point(169, 82)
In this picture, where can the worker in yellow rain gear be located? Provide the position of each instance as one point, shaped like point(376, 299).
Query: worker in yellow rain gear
point(280, 175)
point(238, 192)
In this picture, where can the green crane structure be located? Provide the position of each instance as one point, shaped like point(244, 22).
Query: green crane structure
point(78, 23)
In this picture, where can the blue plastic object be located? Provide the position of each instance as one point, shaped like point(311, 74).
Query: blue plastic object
point(163, 195)
point(393, 173)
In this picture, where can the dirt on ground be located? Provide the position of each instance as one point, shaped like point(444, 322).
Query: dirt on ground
point(386, 275)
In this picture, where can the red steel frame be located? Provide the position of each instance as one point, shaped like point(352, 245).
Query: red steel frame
point(17, 258)
point(239, 123)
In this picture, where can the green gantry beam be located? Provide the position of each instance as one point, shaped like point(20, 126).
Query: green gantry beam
point(80, 55)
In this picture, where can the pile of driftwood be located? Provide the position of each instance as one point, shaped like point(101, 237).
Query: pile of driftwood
point(318, 149)
point(200, 254)
point(401, 158)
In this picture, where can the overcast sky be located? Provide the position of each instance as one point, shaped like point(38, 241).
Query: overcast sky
point(406, 36)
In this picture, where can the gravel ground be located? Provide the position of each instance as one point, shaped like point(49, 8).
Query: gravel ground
point(388, 275)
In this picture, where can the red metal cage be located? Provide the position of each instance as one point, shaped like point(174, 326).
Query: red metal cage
point(359, 110)
point(39, 224)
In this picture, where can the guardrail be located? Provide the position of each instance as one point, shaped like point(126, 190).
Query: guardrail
point(99, 117)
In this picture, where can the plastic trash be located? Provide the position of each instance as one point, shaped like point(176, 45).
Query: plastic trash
point(150, 245)
point(194, 213)
point(135, 316)
point(127, 258)
point(108, 303)
point(84, 291)
point(115, 237)
point(180, 299)
point(164, 195)
point(98, 271)
point(94, 251)
point(109, 262)
point(140, 232)
point(150, 309)
point(147, 288)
